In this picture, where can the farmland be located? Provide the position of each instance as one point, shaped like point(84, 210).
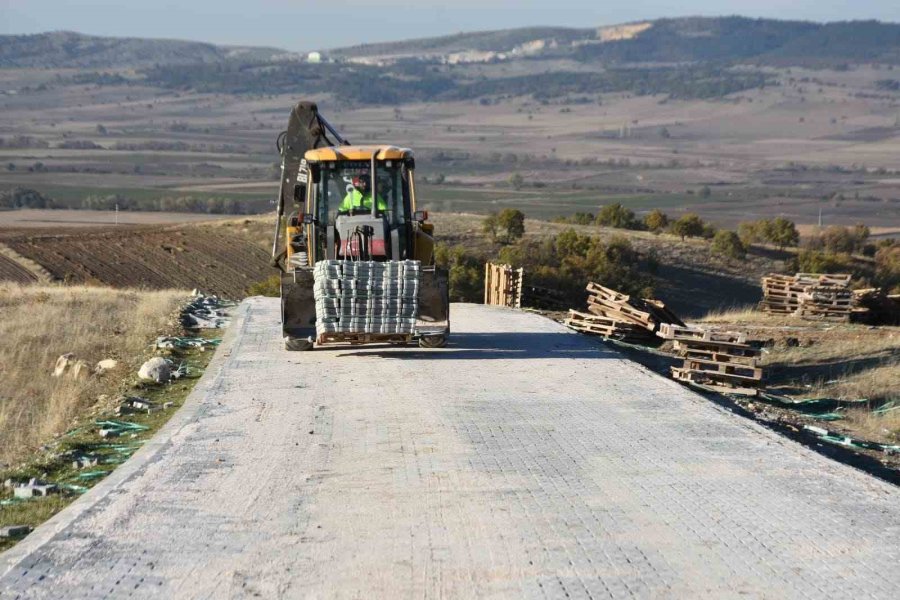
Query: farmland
point(812, 143)
point(218, 258)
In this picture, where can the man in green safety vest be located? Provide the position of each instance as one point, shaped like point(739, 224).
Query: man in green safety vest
point(360, 197)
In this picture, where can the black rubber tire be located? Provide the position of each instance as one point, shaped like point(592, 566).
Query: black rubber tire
point(432, 341)
point(292, 344)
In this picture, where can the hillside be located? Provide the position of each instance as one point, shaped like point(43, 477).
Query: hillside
point(687, 39)
point(66, 49)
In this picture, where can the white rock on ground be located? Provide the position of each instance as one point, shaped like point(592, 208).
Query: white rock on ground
point(106, 365)
point(156, 369)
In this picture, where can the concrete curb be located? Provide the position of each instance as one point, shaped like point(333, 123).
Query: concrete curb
point(133, 466)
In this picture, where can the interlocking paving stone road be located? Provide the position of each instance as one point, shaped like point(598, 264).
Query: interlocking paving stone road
point(522, 461)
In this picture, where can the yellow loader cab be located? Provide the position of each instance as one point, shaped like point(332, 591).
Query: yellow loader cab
point(333, 170)
point(349, 203)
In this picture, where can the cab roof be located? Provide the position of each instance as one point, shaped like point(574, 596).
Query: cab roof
point(357, 153)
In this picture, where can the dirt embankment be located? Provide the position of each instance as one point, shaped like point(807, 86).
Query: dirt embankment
point(222, 258)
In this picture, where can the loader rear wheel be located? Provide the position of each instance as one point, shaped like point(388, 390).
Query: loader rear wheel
point(432, 341)
point(293, 344)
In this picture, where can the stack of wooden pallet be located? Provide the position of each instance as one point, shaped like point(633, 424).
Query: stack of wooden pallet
point(617, 315)
point(503, 285)
point(718, 359)
point(826, 302)
point(807, 294)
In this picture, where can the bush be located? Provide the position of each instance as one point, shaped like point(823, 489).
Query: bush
point(490, 226)
point(567, 261)
point(656, 220)
point(581, 218)
point(688, 225)
point(271, 287)
point(616, 215)
point(843, 240)
point(728, 244)
point(466, 273)
point(516, 180)
point(779, 231)
point(512, 223)
point(816, 261)
point(887, 267)
point(24, 198)
point(782, 233)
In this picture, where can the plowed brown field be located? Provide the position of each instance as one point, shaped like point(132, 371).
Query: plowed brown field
point(13, 271)
point(215, 259)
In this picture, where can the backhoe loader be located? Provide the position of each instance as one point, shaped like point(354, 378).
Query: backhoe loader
point(351, 211)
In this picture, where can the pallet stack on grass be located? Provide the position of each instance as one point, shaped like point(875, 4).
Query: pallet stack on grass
point(719, 359)
point(620, 316)
point(503, 285)
point(808, 295)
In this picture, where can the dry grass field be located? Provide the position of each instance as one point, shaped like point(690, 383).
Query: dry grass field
point(39, 324)
point(807, 359)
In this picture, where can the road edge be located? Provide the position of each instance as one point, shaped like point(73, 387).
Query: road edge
point(47, 530)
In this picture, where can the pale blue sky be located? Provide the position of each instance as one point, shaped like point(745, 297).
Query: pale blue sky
point(306, 25)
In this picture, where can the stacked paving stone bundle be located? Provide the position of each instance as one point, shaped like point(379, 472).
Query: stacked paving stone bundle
point(617, 315)
point(718, 359)
point(366, 297)
point(807, 294)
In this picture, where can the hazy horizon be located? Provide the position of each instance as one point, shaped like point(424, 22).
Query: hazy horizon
point(300, 26)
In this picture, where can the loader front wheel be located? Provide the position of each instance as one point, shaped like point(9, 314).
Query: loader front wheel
point(293, 344)
point(432, 341)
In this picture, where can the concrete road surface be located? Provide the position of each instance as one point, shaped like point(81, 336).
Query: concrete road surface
point(522, 461)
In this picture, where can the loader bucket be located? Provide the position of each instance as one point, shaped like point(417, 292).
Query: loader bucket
point(298, 304)
point(434, 303)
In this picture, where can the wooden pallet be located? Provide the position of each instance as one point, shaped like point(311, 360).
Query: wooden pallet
point(595, 289)
point(362, 338)
point(503, 285)
point(806, 294)
point(614, 314)
point(736, 350)
point(619, 313)
point(715, 381)
point(669, 331)
point(737, 371)
point(719, 357)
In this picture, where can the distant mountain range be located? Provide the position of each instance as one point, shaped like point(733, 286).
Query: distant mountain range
point(689, 39)
point(680, 58)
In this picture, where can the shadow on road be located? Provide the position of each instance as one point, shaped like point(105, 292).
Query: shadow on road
point(500, 345)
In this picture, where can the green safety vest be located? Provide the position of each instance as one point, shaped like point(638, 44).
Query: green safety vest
point(355, 200)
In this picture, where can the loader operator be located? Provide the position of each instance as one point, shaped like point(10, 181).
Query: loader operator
point(360, 197)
